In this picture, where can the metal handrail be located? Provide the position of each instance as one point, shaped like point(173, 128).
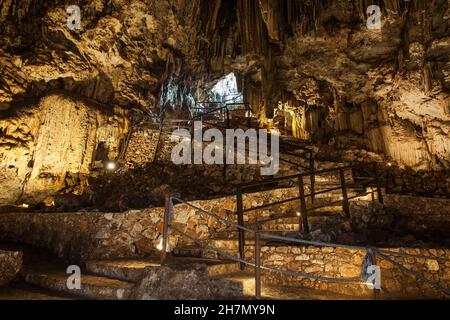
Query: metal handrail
point(374, 252)
point(289, 177)
point(416, 275)
point(226, 107)
point(208, 112)
point(168, 215)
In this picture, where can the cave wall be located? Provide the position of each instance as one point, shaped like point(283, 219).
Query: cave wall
point(316, 65)
point(65, 94)
point(53, 145)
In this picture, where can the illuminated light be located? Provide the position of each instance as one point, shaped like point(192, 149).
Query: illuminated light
point(267, 161)
point(248, 114)
point(24, 205)
point(160, 245)
point(275, 132)
point(389, 164)
point(226, 89)
point(111, 166)
point(341, 198)
point(298, 214)
point(49, 202)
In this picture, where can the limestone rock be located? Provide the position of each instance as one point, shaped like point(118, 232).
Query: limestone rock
point(174, 283)
point(432, 265)
point(10, 264)
point(43, 145)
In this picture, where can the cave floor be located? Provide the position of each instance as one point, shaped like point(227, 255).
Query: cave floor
point(23, 291)
point(43, 277)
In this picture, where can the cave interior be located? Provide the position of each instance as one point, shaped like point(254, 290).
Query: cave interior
point(101, 105)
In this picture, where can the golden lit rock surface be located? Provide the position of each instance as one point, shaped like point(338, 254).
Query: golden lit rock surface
point(10, 264)
point(43, 147)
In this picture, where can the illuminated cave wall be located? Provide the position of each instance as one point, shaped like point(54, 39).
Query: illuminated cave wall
point(334, 81)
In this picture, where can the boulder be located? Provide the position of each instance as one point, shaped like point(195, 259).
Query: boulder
point(10, 264)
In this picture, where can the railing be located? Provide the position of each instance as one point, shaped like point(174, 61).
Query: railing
point(223, 112)
point(302, 197)
point(371, 252)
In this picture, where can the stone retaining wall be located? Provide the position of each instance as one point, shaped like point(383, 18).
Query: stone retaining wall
point(81, 236)
point(408, 181)
point(347, 264)
point(86, 235)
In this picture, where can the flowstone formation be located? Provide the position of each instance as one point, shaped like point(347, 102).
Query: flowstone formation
point(52, 146)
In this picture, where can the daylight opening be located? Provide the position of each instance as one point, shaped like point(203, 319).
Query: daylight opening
point(226, 90)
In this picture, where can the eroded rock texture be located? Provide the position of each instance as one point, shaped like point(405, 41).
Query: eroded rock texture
point(127, 54)
point(175, 282)
point(51, 146)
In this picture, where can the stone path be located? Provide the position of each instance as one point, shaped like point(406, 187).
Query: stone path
point(43, 277)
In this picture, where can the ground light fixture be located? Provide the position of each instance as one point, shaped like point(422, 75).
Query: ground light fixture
point(111, 166)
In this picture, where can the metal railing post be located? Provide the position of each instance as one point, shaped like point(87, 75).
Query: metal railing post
point(228, 118)
point(376, 292)
point(165, 232)
point(257, 265)
point(345, 204)
point(377, 181)
point(240, 218)
point(192, 129)
point(303, 222)
point(313, 176)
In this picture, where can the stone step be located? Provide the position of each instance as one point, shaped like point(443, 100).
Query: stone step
point(227, 244)
point(244, 281)
point(92, 287)
point(280, 227)
point(27, 292)
point(201, 253)
point(123, 269)
point(131, 269)
point(239, 281)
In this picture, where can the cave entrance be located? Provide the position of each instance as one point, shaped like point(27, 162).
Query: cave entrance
point(226, 90)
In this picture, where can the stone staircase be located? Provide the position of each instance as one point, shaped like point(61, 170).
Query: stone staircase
point(54, 279)
point(117, 279)
point(44, 277)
